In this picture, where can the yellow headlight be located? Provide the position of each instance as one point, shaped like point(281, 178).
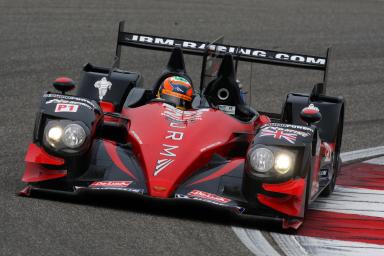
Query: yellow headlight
point(54, 134)
point(283, 163)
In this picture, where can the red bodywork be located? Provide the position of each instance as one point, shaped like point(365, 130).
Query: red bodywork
point(171, 144)
point(35, 170)
point(293, 201)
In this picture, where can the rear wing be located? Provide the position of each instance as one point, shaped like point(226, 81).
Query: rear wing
point(248, 54)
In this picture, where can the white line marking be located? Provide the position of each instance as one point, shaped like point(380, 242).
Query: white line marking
point(361, 154)
point(377, 161)
point(347, 200)
point(298, 246)
point(255, 242)
point(319, 246)
point(289, 244)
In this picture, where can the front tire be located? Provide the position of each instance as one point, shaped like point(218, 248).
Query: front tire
point(331, 186)
point(336, 164)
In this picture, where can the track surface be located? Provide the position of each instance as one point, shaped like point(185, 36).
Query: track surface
point(40, 40)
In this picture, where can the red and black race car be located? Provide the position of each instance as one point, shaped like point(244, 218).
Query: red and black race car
point(114, 134)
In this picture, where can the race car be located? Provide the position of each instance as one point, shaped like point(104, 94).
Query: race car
point(114, 134)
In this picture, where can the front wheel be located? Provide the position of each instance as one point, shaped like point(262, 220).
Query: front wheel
point(336, 163)
point(331, 186)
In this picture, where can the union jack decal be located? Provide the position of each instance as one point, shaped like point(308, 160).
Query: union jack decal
point(279, 134)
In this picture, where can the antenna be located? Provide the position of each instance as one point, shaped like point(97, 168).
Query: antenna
point(236, 60)
point(115, 65)
point(202, 75)
point(118, 46)
point(250, 86)
point(325, 78)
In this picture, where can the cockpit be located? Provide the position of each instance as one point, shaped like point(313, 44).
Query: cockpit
point(221, 92)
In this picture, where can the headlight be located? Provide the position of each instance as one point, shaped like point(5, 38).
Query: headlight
point(271, 161)
point(74, 136)
point(262, 159)
point(54, 135)
point(65, 137)
point(283, 163)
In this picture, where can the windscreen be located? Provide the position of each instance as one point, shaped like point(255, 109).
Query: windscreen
point(211, 63)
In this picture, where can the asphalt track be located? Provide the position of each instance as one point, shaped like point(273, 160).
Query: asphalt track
point(40, 40)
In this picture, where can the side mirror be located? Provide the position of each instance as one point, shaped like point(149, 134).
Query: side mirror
point(64, 84)
point(310, 115)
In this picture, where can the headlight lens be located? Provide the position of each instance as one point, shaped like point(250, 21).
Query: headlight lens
point(262, 159)
point(54, 135)
point(283, 163)
point(74, 136)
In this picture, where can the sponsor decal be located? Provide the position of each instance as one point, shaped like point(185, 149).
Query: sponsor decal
point(279, 134)
point(177, 115)
point(230, 110)
point(132, 190)
point(324, 173)
point(242, 51)
point(63, 107)
point(237, 209)
point(208, 196)
point(174, 135)
point(59, 98)
point(103, 86)
point(59, 101)
point(115, 184)
point(161, 165)
point(167, 150)
point(289, 126)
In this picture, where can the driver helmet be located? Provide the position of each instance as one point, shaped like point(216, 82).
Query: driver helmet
point(176, 90)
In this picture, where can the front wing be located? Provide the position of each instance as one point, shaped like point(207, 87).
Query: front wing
point(115, 169)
